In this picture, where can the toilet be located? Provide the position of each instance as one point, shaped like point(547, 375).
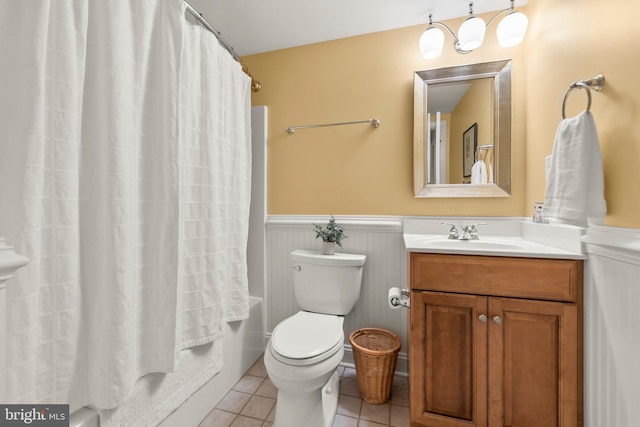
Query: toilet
point(304, 350)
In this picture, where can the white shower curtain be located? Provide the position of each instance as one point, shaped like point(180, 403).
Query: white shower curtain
point(89, 124)
point(41, 77)
point(215, 188)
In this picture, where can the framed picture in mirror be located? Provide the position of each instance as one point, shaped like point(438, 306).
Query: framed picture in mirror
point(469, 143)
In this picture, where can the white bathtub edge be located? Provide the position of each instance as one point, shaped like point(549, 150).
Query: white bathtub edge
point(84, 417)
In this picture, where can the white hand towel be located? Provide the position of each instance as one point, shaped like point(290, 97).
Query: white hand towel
point(575, 183)
point(479, 173)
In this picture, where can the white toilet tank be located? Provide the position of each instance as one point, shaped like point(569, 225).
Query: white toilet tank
point(327, 284)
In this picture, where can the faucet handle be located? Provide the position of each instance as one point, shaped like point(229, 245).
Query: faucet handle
point(473, 227)
point(470, 232)
point(453, 231)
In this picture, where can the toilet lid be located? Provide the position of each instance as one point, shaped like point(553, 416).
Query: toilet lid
point(305, 335)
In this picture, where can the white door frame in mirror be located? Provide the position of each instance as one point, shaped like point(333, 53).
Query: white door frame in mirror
point(500, 71)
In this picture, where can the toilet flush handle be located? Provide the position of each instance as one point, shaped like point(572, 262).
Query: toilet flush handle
point(296, 267)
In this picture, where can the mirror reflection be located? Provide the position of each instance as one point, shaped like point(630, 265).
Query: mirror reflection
point(462, 131)
point(460, 112)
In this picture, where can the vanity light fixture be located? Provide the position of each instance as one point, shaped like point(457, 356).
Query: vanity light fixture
point(511, 31)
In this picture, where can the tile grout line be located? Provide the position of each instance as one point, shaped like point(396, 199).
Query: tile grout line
point(367, 414)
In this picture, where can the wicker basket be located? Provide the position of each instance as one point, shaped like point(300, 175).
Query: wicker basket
point(375, 352)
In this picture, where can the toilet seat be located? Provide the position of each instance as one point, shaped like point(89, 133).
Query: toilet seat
point(307, 338)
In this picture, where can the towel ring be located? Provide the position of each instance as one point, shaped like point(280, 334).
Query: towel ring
point(573, 86)
point(596, 83)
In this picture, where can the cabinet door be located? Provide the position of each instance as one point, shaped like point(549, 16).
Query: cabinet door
point(448, 360)
point(533, 374)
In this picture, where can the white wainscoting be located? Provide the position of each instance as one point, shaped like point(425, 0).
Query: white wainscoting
point(379, 238)
point(612, 327)
point(612, 301)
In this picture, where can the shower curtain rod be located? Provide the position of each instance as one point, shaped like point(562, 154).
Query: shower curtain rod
point(255, 84)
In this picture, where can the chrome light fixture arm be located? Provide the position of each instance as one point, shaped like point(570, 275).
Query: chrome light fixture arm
point(456, 41)
point(509, 9)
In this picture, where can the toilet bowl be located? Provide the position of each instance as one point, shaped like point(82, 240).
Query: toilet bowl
point(304, 350)
point(302, 358)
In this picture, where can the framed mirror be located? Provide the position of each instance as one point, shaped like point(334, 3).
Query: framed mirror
point(462, 131)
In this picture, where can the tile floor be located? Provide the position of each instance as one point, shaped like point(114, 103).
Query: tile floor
point(251, 403)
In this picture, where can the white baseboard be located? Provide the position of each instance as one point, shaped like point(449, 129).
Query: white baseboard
point(402, 365)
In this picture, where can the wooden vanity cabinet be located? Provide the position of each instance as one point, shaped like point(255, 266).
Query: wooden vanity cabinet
point(495, 341)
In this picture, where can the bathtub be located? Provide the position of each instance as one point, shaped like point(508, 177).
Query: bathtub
point(243, 344)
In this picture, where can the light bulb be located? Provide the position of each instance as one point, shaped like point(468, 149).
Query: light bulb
point(471, 33)
point(431, 43)
point(511, 29)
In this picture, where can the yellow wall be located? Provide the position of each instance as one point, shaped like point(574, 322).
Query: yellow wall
point(357, 170)
point(472, 108)
point(571, 40)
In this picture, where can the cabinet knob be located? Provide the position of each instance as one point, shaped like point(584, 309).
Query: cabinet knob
point(483, 318)
point(497, 320)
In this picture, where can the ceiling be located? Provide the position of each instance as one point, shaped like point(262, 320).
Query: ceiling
point(255, 26)
point(444, 97)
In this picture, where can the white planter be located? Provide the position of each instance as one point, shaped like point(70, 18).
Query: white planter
point(328, 248)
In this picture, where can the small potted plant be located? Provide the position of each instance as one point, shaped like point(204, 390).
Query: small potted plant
point(331, 236)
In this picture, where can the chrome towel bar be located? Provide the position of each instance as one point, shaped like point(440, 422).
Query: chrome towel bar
point(375, 123)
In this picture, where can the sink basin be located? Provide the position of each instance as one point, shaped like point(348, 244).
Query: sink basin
point(442, 243)
point(473, 244)
point(486, 245)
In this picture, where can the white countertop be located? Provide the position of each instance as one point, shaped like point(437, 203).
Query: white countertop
point(500, 237)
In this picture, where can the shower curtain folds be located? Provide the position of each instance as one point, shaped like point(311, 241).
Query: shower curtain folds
point(135, 239)
point(215, 188)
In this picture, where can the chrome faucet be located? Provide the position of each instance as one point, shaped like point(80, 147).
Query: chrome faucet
point(453, 231)
point(470, 232)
